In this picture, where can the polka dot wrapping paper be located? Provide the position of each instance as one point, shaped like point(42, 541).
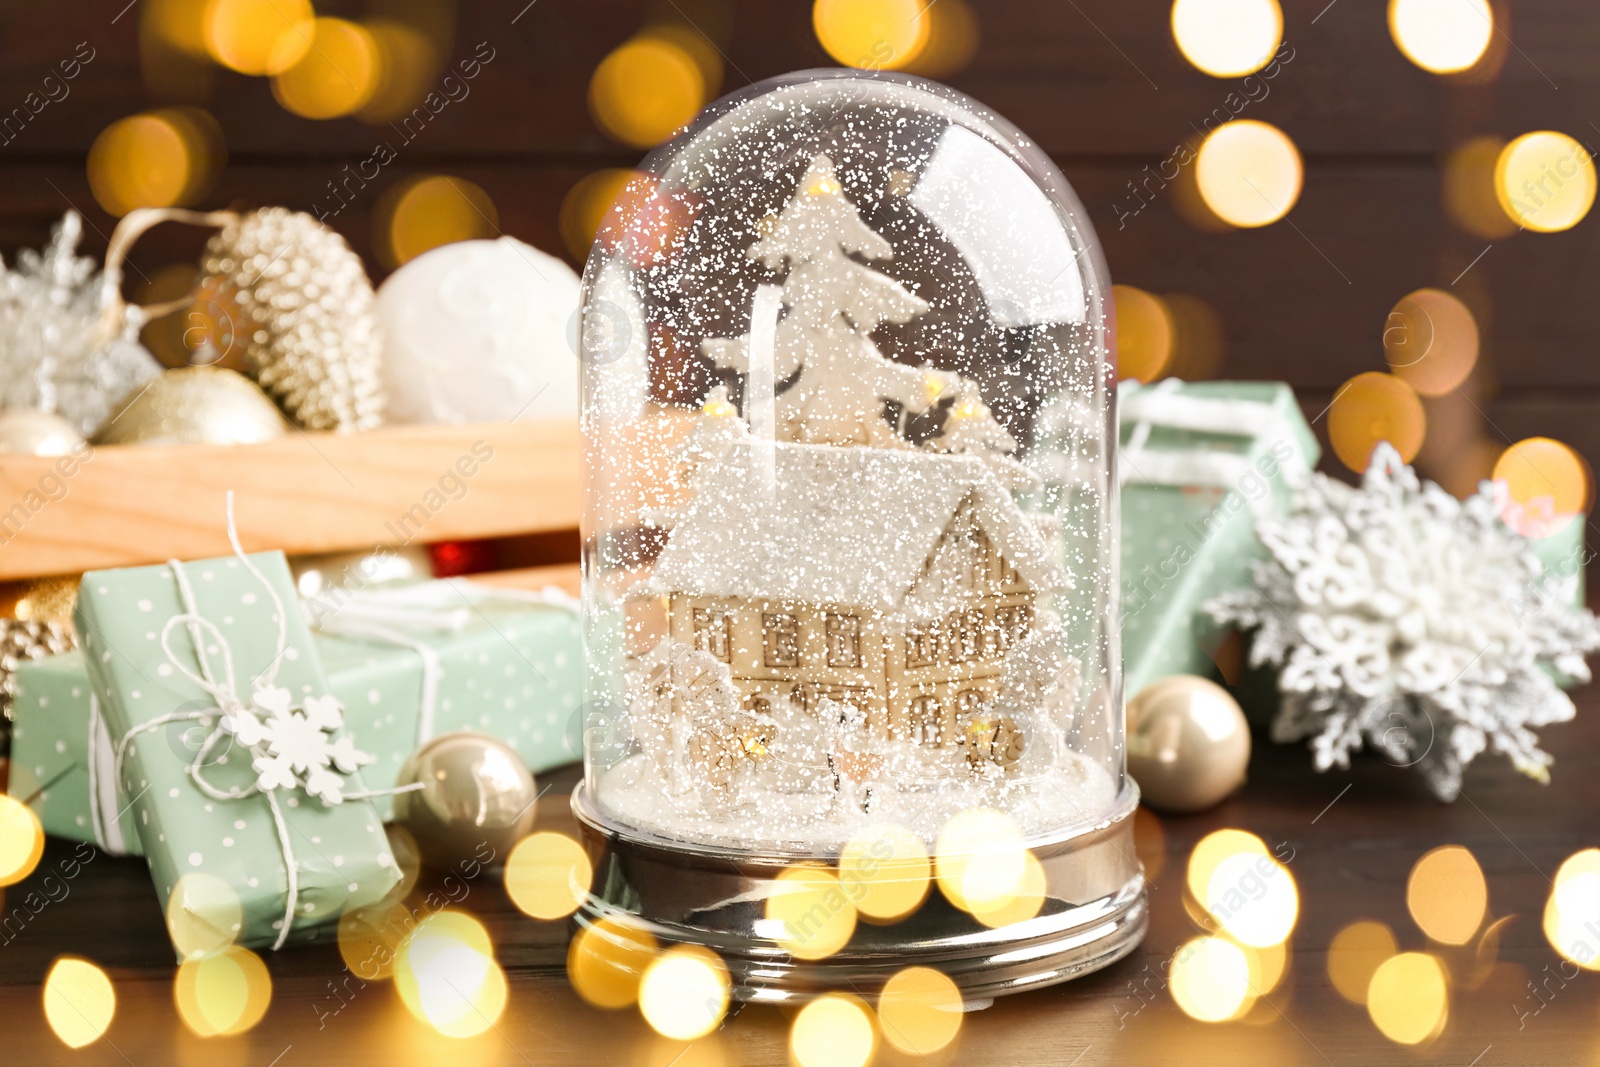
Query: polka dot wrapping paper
point(338, 852)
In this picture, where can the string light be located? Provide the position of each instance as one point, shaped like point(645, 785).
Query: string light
point(1545, 181)
point(336, 76)
point(1374, 407)
point(834, 1030)
point(1447, 895)
point(1249, 173)
point(1408, 999)
point(1144, 334)
point(645, 89)
point(1442, 36)
point(21, 840)
point(873, 34)
point(547, 875)
point(79, 1001)
point(1227, 38)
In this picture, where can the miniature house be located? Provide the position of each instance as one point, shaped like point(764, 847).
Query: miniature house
point(896, 584)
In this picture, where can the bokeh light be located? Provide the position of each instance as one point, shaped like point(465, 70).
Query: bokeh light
point(422, 213)
point(223, 994)
point(1545, 181)
point(1572, 915)
point(1268, 964)
point(1198, 340)
point(1212, 850)
point(370, 937)
point(337, 75)
point(606, 961)
point(79, 1001)
point(140, 161)
point(21, 840)
point(1447, 894)
point(920, 1010)
point(809, 914)
point(1149, 842)
point(1144, 334)
point(1442, 36)
point(645, 89)
point(447, 977)
point(1354, 956)
point(1470, 199)
point(872, 34)
point(586, 204)
point(204, 915)
point(1408, 998)
point(1249, 173)
point(407, 65)
point(1374, 407)
point(886, 871)
point(980, 859)
point(953, 39)
point(1227, 38)
point(834, 1030)
point(1021, 903)
point(684, 993)
point(258, 36)
point(1210, 979)
point(548, 875)
point(1431, 341)
point(179, 23)
point(1253, 897)
point(696, 45)
point(1547, 484)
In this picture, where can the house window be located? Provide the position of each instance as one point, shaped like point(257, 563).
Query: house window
point(780, 639)
point(1011, 625)
point(844, 640)
point(925, 724)
point(966, 635)
point(711, 632)
point(922, 647)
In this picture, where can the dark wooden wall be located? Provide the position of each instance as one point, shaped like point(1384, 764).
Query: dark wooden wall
point(1098, 83)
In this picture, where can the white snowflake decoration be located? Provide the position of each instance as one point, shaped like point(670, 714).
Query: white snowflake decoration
point(295, 747)
point(1412, 622)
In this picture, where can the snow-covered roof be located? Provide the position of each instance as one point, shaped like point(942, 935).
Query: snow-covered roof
point(849, 526)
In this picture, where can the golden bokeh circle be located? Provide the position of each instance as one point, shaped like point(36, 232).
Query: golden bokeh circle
point(337, 75)
point(1545, 181)
point(79, 1001)
point(204, 915)
point(816, 913)
point(586, 204)
point(1227, 38)
point(1019, 904)
point(980, 860)
point(1211, 850)
point(1546, 483)
point(1253, 898)
point(259, 36)
point(1249, 173)
point(547, 875)
point(21, 840)
point(834, 1030)
point(1572, 914)
point(1210, 979)
point(422, 213)
point(1470, 199)
point(224, 994)
point(647, 88)
point(606, 961)
point(684, 992)
point(1431, 341)
point(1442, 36)
point(447, 977)
point(1408, 998)
point(370, 937)
point(1354, 956)
point(920, 1010)
point(1374, 407)
point(871, 34)
point(1447, 894)
point(140, 161)
point(886, 871)
point(1145, 334)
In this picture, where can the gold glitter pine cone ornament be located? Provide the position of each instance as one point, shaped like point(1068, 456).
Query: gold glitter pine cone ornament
point(308, 330)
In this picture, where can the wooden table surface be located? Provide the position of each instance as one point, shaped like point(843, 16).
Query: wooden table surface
point(1354, 837)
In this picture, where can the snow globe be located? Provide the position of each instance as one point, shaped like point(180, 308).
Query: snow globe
point(850, 551)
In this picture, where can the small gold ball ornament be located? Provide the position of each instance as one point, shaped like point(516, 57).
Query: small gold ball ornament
point(24, 431)
point(1188, 743)
point(195, 405)
point(309, 332)
point(477, 799)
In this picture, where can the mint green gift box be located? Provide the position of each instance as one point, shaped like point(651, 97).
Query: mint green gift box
point(338, 853)
point(1199, 461)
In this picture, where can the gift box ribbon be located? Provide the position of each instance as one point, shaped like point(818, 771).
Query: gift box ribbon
point(1162, 405)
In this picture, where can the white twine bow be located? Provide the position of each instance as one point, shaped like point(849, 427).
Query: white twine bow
point(289, 747)
point(1163, 405)
point(398, 615)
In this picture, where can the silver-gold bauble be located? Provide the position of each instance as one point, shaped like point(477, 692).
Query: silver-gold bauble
point(1188, 743)
point(477, 799)
point(36, 433)
point(195, 405)
point(307, 324)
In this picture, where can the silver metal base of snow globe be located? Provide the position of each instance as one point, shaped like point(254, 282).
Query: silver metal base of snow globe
point(1094, 913)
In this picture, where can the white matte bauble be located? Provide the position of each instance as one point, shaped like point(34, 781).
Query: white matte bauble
point(37, 433)
point(1188, 743)
point(476, 331)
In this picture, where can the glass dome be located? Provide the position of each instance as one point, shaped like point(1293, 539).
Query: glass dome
point(850, 543)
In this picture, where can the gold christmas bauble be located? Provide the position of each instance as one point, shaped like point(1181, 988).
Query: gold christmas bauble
point(26, 639)
point(477, 799)
point(40, 599)
point(36, 433)
point(307, 326)
point(1188, 743)
point(195, 405)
